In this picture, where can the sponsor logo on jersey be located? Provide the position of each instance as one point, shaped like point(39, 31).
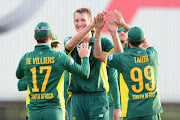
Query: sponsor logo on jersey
point(72, 61)
point(101, 115)
point(110, 57)
point(78, 47)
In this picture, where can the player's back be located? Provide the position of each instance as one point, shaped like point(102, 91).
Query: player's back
point(44, 71)
point(139, 78)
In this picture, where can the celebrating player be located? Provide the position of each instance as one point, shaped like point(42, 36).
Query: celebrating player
point(89, 98)
point(138, 67)
point(22, 84)
point(44, 71)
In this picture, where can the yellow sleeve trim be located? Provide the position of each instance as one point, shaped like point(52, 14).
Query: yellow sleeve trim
point(106, 60)
point(69, 50)
point(111, 50)
point(107, 57)
point(147, 47)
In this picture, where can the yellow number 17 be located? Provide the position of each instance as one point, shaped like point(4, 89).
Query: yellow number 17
point(41, 68)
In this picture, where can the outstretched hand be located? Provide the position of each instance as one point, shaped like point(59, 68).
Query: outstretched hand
point(99, 21)
point(84, 50)
point(111, 25)
point(120, 20)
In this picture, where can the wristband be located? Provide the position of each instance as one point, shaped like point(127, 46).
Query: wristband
point(97, 38)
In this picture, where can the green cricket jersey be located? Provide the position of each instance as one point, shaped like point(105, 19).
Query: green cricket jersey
point(138, 81)
point(44, 70)
point(98, 79)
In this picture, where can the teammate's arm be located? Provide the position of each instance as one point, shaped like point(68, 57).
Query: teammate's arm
point(75, 40)
point(99, 22)
point(82, 70)
point(120, 21)
point(22, 84)
point(145, 43)
point(114, 90)
point(112, 28)
point(19, 71)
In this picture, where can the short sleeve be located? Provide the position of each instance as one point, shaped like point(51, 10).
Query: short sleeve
point(65, 40)
point(107, 44)
point(113, 60)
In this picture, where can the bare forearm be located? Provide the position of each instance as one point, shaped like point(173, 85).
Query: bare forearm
point(146, 44)
point(98, 54)
point(97, 44)
point(117, 44)
point(75, 40)
point(126, 27)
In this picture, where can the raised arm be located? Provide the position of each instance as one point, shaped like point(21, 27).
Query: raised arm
point(120, 21)
point(145, 44)
point(76, 39)
point(99, 22)
point(112, 28)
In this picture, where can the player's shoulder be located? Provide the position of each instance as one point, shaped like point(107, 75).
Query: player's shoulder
point(104, 39)
point(151, 49)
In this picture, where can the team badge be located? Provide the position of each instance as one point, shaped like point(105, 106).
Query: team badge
point(40, 52)
point(110, 57)
point(139, 52)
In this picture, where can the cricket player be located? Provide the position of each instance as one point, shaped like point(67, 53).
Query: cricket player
point(44, 71)
point(22, 84)
point(89, 98)
point(139, 72)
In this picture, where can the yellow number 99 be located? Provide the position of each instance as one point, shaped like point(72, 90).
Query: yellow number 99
point(140, 78)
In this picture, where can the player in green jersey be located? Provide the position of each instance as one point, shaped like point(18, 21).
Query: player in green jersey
point(44, 71)
point(22, 84)
point(89, 99)
point(139, 71)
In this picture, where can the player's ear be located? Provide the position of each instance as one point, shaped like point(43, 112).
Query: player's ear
point(144, 40)
point(35, 37)
point(51, 36)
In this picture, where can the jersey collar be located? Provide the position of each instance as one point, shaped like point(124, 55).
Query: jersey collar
point(42, 46)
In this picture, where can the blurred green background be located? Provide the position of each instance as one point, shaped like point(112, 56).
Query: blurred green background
point(17, 111)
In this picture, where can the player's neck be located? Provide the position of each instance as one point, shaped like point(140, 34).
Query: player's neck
point(132, 46)
point(123, 44)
